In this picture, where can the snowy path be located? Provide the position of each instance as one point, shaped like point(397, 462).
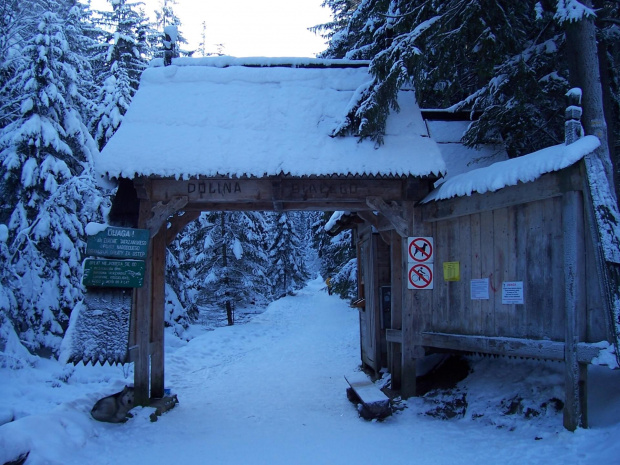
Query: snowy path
point(272, 392)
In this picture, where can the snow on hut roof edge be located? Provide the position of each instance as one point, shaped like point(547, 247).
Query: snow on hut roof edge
point(526, 168)
point(255, 117)
point(225, 61)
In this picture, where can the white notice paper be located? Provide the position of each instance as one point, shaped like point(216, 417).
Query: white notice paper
point(512, 292)
point(479, 289)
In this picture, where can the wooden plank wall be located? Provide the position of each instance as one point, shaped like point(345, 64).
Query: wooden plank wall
point(515, 243)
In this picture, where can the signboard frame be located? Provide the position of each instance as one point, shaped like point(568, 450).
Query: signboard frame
point(104, 272)
point(424, 245)
point(115, 242)
point(420, 270)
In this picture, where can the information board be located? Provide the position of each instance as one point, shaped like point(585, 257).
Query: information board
point(115, 242)
point(512, 292)
point(103, 272)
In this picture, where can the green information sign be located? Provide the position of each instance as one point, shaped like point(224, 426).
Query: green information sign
point(115, 242)
point(102, 272)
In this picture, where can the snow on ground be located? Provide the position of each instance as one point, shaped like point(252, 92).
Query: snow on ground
point(272, 391)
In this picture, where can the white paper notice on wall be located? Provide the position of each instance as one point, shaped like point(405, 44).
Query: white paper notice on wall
point(512, 292)
point(479, 289)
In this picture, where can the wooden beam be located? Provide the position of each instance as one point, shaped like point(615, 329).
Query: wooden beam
point(413, 302)
point(369, 217)
point(162, 211)
point(395, 353)
point(268, 205)
point(340, 190)
point(142, 309)
point(379, 222)
point(394, 335)
point(158, 312)
point(276, 187)
point(177, 223)
point(392, 212)
point(506, 346)
point(547, 186)
point(574, 306)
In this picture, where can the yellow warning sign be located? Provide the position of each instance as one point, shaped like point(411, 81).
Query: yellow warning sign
point(451, 271)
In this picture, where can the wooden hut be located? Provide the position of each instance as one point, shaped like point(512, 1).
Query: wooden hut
point(504, 259)
point(254, 134)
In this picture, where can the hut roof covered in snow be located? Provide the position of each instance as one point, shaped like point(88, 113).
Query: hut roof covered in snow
point(261, 117)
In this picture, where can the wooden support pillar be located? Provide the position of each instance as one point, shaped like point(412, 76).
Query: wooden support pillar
point(412, 301)
point(142, 309)
point(157, 312)
point(575, 408)
point(394, 348)
point(149, 300)
point(373, 304)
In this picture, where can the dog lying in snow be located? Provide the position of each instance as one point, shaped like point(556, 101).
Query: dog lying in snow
point(114, 408)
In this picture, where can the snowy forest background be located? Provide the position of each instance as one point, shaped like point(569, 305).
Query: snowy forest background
point(68, 74)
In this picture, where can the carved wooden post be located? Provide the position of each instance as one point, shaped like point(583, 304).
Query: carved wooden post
point(575, 412)
point(157, 312)
point(143, 303)
point(412, 301)
point(396, 258)
point(572, 127)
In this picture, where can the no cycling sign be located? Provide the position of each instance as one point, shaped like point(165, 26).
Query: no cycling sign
point(420, 258)
point(420, 276)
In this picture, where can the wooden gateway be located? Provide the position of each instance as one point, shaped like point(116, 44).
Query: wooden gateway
point(229, 134)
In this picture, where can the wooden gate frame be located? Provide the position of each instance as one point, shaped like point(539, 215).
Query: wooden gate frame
point(166, 205)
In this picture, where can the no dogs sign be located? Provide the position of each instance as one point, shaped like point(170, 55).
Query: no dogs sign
point(420, 250)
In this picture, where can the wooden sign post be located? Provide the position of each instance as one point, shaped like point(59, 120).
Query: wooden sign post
point(122, 260)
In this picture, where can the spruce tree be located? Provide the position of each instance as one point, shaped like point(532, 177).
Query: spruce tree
point(504, 62)
point(46, 156)
point(233, 265)
point(288, 270)
point(185, 268)
point(121, 58)
point(337, 258)
point(165, 16)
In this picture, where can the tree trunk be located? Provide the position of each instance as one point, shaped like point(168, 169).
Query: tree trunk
point(229, 313)
point(605, 68)
point(585, 74)
point(227, 305)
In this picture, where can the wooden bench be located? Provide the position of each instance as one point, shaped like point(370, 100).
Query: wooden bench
point(372, 403)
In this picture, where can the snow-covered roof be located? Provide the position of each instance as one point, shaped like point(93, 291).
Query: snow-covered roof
point(458, 158)
point(260, 117)
point(510, 172)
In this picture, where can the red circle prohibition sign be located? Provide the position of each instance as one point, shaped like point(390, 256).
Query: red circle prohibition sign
point(421, 246)
point(420, 276)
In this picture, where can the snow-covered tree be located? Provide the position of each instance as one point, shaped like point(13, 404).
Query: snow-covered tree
point(335, 31)
point(46, 156)
point(185, 272)
point(233, 262)
point(121, 59)
point(337, 257)
point(17, 21)
point(165, 17)
point(287, 255)
point(506, 62)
